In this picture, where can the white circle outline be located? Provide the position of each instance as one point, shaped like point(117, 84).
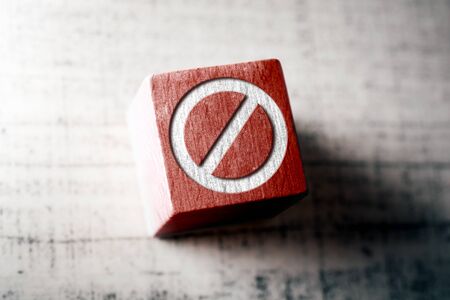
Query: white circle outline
point(200, 175)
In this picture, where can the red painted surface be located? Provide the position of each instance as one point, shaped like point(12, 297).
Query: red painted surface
point(178, 202)
point(207, 120)
point(250, 149)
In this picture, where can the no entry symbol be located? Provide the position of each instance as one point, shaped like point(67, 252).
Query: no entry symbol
point(203, 174)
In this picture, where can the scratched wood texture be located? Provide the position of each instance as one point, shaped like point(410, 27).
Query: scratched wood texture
point(369, 83)
point(189, 205)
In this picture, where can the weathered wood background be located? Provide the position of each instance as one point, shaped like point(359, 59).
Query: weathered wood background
point(370, 88)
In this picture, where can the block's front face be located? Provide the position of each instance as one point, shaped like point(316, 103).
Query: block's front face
point(227, 135)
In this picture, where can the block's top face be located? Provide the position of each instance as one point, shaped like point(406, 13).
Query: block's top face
point(227, 135)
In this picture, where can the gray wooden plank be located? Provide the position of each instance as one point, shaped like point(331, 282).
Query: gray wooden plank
point(369, 83)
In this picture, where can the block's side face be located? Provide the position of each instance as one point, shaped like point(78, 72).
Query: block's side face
point(216, 216)
point(292, 167)
point(171, 89)
point(147, 151)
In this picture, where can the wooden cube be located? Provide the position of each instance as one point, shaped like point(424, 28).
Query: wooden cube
point(215, 145)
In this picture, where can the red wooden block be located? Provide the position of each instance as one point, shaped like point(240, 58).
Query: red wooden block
point(215, 145)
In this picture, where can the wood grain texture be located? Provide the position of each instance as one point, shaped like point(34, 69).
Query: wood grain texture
point(249, 157)
point(369, 88)
point(246, 153)
point(185, 193)
point(222, 106)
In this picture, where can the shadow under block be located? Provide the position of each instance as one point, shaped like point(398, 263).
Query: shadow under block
point(215, 145)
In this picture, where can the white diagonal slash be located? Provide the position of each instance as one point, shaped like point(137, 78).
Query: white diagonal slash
point(229, 135)
point(203, 174)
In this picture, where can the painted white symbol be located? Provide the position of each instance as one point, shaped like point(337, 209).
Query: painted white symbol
point(203, 174)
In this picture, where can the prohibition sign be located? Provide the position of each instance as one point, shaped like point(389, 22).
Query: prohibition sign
point(203, 174)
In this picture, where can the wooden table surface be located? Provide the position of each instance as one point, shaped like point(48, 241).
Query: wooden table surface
point(369, 83)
